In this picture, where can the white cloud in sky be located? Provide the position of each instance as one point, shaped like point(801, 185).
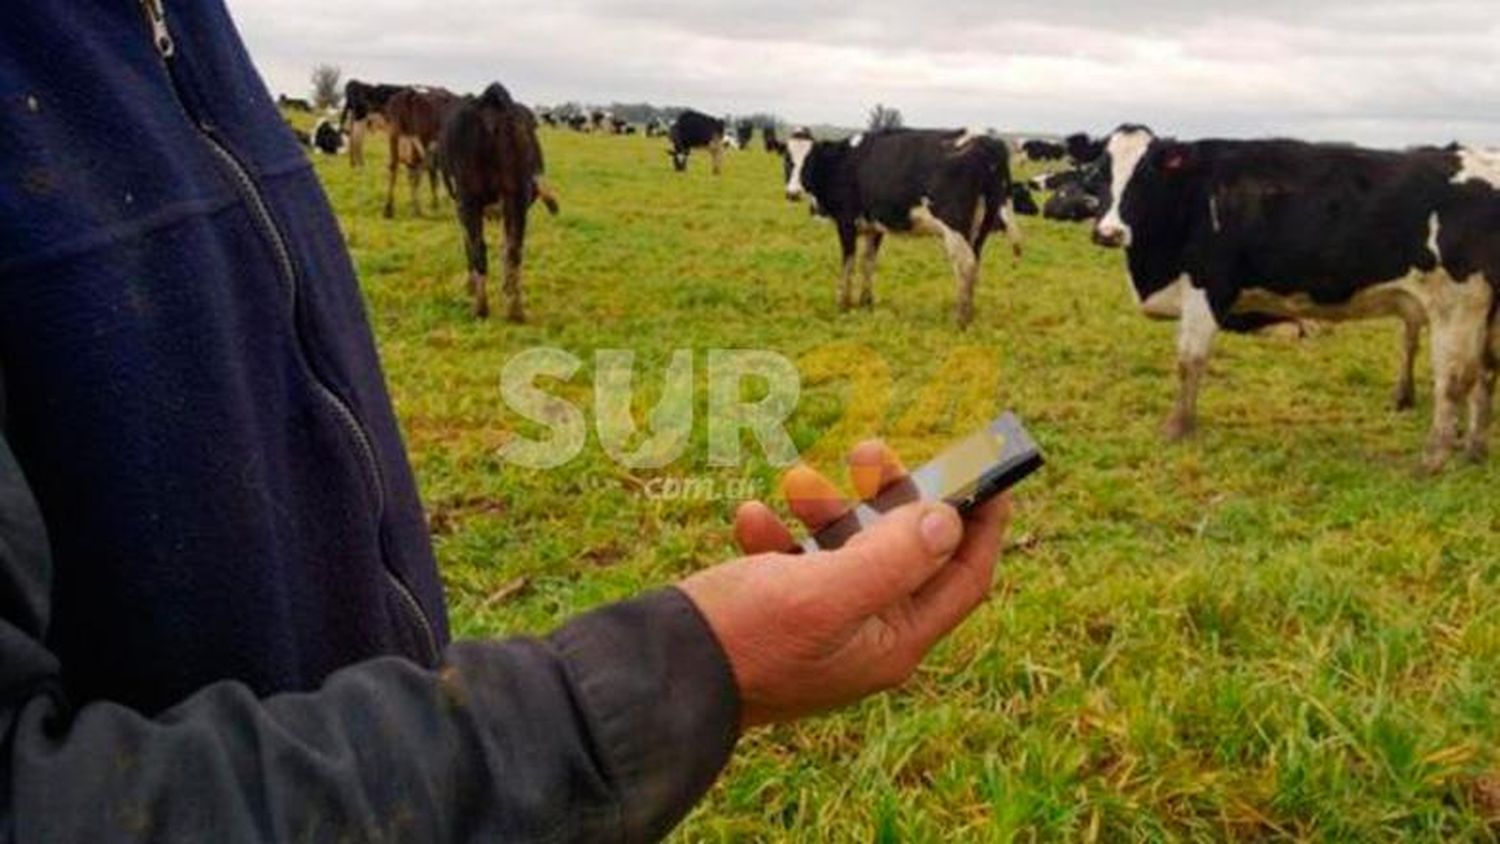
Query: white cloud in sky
point(1388, 73)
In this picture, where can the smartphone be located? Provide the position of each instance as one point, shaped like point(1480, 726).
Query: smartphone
point(966, 475)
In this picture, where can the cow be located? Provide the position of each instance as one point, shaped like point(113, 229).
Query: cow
point(491, 157)
point(1022, 201)
point(416, 118)
point(619, 126)
point(578, 122)
point(599, 120)
point(327, 138)
point(547, 116)
point(1083, 150)
point(364, 108)
point(951, 184)
point(1213, 229)
point(293, 104)
point(1072, 202)
point(773, 144)
point(744, 132)
point(656, 128)
point(1044, 151)
point(696, 130)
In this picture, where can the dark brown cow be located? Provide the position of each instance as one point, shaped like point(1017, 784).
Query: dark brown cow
point(491, 158)
point(415, 116)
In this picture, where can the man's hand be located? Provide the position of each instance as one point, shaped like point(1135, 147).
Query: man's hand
point(806, 634)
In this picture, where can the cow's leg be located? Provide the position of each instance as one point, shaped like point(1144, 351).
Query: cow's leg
point(414, 175)
point(848, 243)
point(867, 269)
point(390, 188)
point(965, 271)
point(357, 131)
point(1195, 337)
point(515, 243)
point(1460, 332)
point(1405, 397)
point(1482, 398)
point(716, 153)
point(471, 218)
point(1012, 229)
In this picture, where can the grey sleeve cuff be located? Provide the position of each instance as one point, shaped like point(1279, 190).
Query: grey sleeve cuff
point(662, 704)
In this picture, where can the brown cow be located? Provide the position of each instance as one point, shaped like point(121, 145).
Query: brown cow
point(416, 119)
point(491, 157)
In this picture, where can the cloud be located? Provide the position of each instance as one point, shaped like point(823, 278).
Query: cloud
point(1386, 73)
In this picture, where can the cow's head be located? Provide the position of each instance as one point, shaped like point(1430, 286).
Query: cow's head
point(794, 155)
point(1116, 171)
point(679, 158)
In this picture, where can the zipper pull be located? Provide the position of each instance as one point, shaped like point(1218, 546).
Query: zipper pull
point(162, 36)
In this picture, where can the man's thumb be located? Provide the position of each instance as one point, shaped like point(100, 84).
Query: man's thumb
point(893, 558)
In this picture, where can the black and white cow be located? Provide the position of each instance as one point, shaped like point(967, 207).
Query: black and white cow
point(364, 110)
point(696, 130)
point(1214, 229)
point(1022, 201)
point(327, 138)
point(951, 184)
point(1083, 150)
point(773, 143)
point(744, 131)
point(656, 128)
point(1044, 150)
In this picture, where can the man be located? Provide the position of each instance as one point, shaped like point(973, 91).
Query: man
point(220, 618)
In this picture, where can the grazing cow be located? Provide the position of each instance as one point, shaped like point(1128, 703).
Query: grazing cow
point(364, 106)
point(547, 117)
point(656, 128)
point(578, 122)
point(491, 157)
point(293, 104)
point(619, 126)
point(1213, 229)
point(950, 184)
point(416, 118)
point(744, 132)
point(327, 138)
point(598, 120)
point(696, 130)
point(1083, 150)
point(1044, 151)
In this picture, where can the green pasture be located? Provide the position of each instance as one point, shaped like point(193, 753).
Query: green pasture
point(1276, 630)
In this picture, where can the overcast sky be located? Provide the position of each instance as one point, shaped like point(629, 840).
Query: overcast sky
point(1388, 73)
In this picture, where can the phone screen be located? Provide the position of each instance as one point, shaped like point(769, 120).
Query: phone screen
point(967, 474)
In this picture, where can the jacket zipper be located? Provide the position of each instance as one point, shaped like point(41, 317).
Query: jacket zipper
point(166, 48)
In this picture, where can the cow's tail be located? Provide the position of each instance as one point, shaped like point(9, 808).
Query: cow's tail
point(1006, 220)
point(548, 197)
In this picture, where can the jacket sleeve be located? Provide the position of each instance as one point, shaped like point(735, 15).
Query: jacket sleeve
point(608, 730)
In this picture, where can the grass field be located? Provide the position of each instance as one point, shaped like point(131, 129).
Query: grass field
point(1274, 630)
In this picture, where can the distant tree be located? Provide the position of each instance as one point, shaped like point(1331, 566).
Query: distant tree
point(325, 82)
point(883, 117)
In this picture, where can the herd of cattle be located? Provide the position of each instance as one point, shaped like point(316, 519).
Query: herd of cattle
point(1217, 235)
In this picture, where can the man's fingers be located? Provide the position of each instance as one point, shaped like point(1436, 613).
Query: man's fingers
point(814, 500)
point(891, 561)
point(952, 594)
point(758, 530)
point(873, 466)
